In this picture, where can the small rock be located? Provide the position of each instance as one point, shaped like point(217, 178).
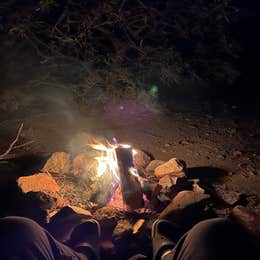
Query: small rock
point(171, 186)
point(38, 182)
point(251, 173)
point(167, 182)
point(222, 213)
point(184, 142)
point(196, 187)
point(150, 189)
point(237, 153)
point(141, 159)
point(183, 205)
point(58, 163)
point(153, 165)
point(123, 228)
point(163, 197)
point(110, 213)
point(229, 196)
point(173, 167)
point(108, 217)
point(138, 224)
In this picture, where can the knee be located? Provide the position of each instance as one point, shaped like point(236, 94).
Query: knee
point(212, 229)
point(212, 224)
point(15, 227)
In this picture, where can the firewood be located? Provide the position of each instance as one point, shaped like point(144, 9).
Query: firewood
point(131, 187)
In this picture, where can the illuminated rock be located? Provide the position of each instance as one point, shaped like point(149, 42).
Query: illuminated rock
point(38, 182)
point(141, 160)
point(173, 167)
point(59, 162)
point(187, 206)
point(152, 166)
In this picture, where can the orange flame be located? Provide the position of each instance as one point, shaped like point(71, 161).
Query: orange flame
point(108, 160)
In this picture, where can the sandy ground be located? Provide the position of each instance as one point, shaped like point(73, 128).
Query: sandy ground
point(222, 148)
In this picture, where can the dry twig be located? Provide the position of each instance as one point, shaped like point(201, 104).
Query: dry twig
point(12, 146)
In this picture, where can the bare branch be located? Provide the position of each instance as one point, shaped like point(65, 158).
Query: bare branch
point(12, 146)
point(23, 145)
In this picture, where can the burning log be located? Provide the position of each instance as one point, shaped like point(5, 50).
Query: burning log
point(130, 185)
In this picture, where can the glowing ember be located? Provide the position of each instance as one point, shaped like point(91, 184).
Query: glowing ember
point(117, 200)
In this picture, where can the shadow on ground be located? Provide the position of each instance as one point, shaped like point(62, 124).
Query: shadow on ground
point(206, 174)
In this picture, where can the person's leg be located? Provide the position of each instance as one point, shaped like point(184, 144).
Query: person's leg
point(22, 238)
point(214, 239)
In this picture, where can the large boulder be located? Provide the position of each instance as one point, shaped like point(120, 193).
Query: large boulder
point(185, 208)
point(38, 182)
point(81, 165)
point(150, 168)
point(41, 195)
point(173, 167)
point(37, 205)
point(59, 162)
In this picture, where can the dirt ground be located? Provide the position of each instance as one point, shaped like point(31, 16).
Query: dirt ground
point(221, 151)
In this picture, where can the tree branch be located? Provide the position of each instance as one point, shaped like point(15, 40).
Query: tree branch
point(12, 146)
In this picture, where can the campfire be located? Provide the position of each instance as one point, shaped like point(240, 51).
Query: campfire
point(116, 162)
point(110, 174)
point(121, 186)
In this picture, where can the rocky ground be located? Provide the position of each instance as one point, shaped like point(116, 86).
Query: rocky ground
point(221, 170)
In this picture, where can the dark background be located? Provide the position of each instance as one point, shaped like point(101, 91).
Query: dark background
point(202, 55)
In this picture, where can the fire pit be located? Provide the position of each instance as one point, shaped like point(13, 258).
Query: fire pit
point(120, 186)
point(113, 174)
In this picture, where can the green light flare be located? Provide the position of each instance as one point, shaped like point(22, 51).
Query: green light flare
point(154, 89)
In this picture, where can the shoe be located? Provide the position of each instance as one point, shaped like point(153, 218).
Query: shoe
point(85, 238)
point(163, 237)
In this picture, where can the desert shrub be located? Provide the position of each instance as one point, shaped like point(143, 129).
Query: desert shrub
point(120, 48)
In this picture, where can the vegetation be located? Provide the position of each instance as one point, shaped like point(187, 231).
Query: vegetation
point(120, 48)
